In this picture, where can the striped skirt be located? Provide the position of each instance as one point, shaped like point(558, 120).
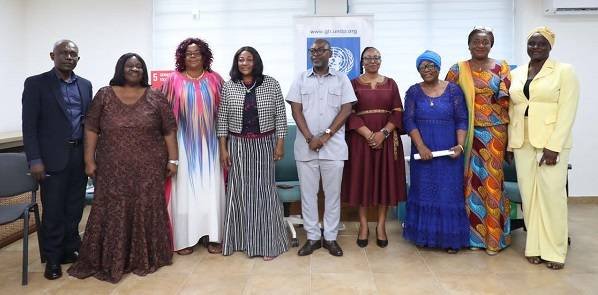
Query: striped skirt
point(254, 220)
point(488, 209)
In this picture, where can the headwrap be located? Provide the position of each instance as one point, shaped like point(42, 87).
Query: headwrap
point(545, 32)
point(430, 56)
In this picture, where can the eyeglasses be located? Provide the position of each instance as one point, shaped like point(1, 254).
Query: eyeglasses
point(372, 58)
point(191, 54)
point(427, 67)
point(317, 51)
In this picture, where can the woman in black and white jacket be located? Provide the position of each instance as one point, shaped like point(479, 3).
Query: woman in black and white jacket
point(251, 128)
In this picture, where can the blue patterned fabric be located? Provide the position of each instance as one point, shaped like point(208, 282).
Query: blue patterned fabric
point(436, 215)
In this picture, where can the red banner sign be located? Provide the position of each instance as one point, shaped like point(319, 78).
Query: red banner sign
point(158, 78)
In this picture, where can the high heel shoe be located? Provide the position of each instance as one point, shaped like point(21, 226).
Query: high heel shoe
point(381, 243)
point(363, 243)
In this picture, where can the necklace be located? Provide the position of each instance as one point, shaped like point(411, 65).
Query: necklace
point(193, 78)
point(430, 99)
point(371, 81)
point(431, 102)
point(247, 90)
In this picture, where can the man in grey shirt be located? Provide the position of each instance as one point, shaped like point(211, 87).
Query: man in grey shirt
point(321, 100)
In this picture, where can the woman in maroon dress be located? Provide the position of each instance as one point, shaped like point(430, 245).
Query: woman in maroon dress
point(130, 134)
point(374, 174)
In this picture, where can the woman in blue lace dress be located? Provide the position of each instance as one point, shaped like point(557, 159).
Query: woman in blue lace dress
point(436, 119)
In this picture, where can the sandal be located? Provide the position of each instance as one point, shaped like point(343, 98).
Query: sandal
point(491, 252)
point(555, 265)
point(185, 251)
point(451, 251)
point(534, 259)
point(269, 258)
point(214, 248)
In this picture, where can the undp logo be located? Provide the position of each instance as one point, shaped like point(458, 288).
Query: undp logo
point(345, 55)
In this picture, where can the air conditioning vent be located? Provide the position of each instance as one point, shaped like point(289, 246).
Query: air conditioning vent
point(570, 7)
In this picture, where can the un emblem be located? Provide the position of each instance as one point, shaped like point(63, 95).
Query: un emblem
point(341, 60)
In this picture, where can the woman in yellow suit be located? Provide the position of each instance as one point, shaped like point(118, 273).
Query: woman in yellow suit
point(544, 96)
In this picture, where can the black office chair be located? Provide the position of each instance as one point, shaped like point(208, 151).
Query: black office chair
point(511, 189)
point(15, 180)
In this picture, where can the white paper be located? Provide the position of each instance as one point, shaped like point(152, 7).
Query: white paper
point(540, 154)
point(434, 154)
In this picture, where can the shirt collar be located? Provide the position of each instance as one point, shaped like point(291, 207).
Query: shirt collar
point(331, 72)
point(71, 79)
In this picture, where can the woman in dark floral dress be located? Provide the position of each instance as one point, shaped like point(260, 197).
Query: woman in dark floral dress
point(130, 134)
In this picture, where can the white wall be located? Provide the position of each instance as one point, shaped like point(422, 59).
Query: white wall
point(576, 43)
point(103, 30)
point(11, 64)
point(225, 26)
point(404, 29)
point(106, 29)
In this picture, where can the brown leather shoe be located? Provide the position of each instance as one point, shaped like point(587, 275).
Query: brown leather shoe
point(214, 248)
point(333, 248)
point(185, 251)
point(309, 247)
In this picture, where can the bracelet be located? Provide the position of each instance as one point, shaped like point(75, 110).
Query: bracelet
point(175, 162)
point(371, 135)
point(462, 149)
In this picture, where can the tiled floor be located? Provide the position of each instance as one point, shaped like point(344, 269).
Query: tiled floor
point(400, 268)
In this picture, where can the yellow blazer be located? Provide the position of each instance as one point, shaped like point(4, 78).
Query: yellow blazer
point(554, 93)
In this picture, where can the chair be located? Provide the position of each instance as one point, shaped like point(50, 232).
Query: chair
point(14, 180)
point(287, 182)
point(511, 189)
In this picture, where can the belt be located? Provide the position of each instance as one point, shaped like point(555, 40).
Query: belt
point(378, 111)
point(75, 142)
point(395, 136)
point(253, 135)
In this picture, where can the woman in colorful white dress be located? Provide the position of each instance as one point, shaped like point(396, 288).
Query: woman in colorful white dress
point(195, 196)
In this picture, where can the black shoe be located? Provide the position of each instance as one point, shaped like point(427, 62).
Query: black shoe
point(333, 248)
point(53, 271)
point(380, 243)
point(309, 247)
point(363, 243)
point(70, 258)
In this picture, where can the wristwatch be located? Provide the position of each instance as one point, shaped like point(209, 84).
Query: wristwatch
point(328, 131)
point(175, 162)
point(385, 132)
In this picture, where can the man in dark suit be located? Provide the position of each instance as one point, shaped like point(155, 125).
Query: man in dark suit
point(54, 107)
